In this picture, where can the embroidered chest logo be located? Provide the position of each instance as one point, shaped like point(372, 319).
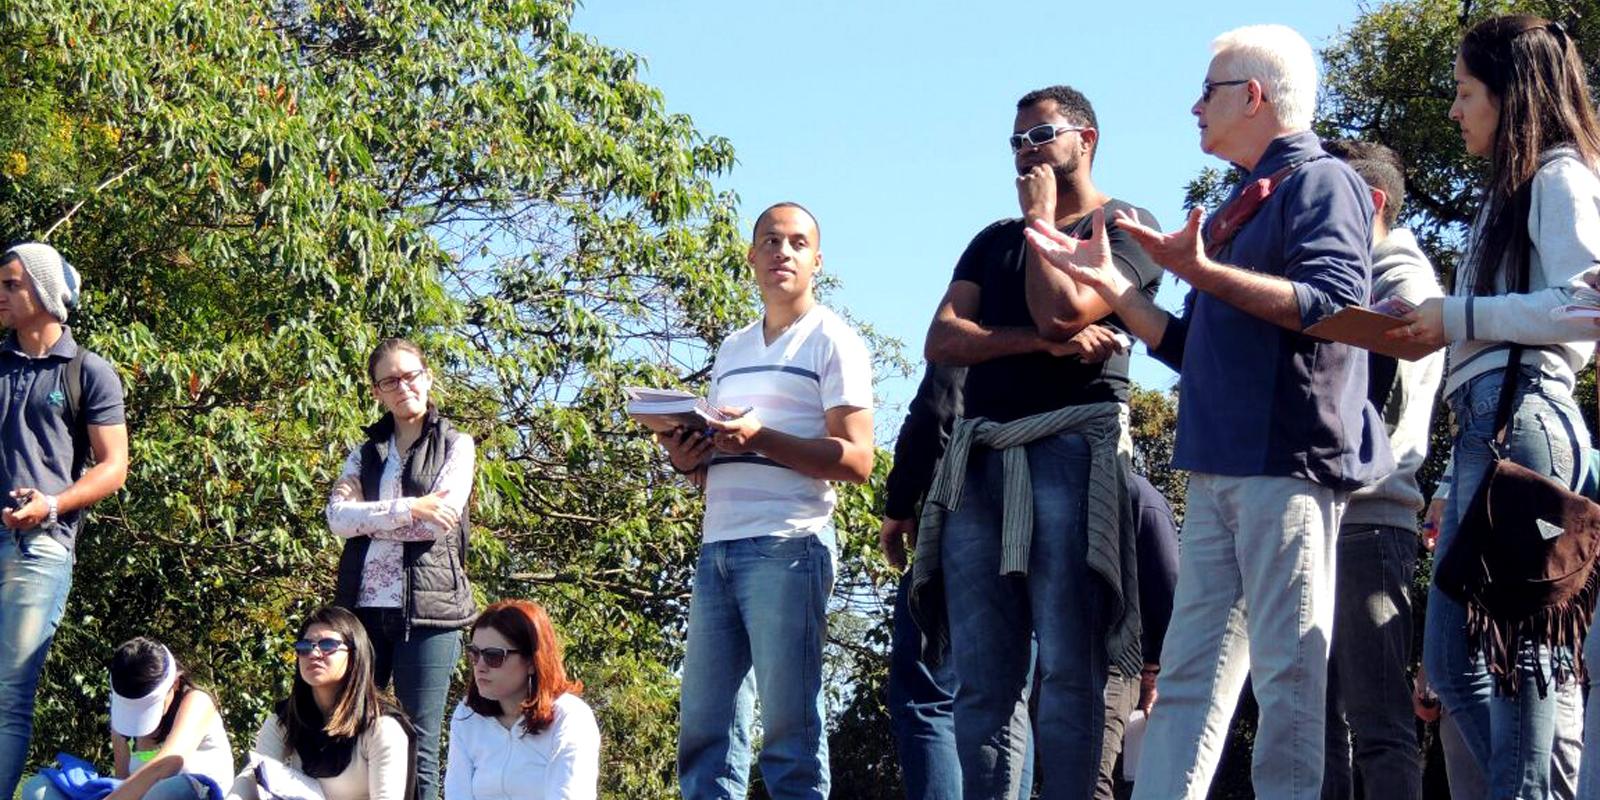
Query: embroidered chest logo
point(57, 399)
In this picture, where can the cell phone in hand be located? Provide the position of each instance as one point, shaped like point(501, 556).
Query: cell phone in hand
point(15, 503)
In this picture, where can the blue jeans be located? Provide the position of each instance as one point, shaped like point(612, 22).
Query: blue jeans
point(1509, 737)
point(757, 622)
point(35, 576)
point(995, 618)
point(921, 710)
point(1369, 692)
point(421, 664)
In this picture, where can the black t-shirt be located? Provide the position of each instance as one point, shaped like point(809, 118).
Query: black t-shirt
point(1013, 387)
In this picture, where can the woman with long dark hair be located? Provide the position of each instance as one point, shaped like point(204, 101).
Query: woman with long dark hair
point(401, 506)
point(336, 726)
point(165, 730)
point(1522, 103)
point(522, 733)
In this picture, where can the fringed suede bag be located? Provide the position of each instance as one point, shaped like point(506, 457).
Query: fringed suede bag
point(1523, 562)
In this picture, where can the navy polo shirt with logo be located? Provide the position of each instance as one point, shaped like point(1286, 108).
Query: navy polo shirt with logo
point(35, 439)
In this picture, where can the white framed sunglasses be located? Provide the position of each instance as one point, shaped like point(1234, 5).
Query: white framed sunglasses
point(1040, 135)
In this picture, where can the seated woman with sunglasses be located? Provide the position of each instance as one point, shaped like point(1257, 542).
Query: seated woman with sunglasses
point(400, 505)
point(334, 726)
point(521, 733)
point(165, 731)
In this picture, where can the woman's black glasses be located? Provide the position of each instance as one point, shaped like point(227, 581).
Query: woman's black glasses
point(493, 656)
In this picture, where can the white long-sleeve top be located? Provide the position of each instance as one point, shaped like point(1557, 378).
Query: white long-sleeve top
point(387, 517)
point(1564, 229)
point(488, 761)
point(378, 768)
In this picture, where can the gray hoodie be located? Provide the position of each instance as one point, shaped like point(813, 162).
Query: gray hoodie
point(1399, 269)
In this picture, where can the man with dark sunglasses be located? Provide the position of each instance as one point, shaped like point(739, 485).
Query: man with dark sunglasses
point(1274, 426)
point(1002, 541)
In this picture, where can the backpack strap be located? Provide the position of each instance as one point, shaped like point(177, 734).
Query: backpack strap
point(77, 421)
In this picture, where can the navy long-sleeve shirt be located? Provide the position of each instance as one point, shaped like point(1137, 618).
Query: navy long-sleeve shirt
point(1158, 562)
point(1258, 399)
point(922, 439)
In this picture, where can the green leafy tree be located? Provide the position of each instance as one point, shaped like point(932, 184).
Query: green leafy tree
point(256, 192)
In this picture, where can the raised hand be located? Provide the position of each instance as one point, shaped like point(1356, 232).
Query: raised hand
point(1181, 252)
point(1087, 261)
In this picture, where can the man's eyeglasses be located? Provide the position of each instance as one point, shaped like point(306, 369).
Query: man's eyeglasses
point(1209, 86)
point(327, 647)
point(393, 382)
point(492, 656)
point(1040, 135)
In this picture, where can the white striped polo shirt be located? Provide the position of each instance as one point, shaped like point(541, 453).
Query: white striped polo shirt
point(817, 364)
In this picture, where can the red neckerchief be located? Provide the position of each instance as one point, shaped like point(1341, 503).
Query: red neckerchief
point(1222, 227)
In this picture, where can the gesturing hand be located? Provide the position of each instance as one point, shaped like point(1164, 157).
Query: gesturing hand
point(1087, 261)
point(1181, 252)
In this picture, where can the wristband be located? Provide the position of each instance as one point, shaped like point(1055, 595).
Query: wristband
point(51, 503)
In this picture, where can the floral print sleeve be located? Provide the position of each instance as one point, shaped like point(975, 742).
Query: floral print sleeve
point(390, 519)
point(349, 517)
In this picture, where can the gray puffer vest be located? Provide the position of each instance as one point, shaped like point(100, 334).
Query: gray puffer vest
point(437, 593)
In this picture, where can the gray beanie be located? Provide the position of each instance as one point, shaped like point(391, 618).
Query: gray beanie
point(53, 278)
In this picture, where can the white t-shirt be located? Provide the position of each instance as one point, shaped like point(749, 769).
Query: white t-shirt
point(817, 364)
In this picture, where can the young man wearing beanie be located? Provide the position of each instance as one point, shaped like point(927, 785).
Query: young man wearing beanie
point(58, 404)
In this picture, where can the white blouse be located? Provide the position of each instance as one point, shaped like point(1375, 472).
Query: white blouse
point(488, 761)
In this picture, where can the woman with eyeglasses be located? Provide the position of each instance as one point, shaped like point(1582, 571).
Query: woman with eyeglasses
point(166, 733)
point(1522, 103)
point(522, 733)
point(335, 726)
point(401, 506)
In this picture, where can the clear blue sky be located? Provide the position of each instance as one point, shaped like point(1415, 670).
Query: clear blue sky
point(888, 118)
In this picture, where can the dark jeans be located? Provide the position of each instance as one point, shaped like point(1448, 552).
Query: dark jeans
point(421, 664)
point(922, 712)
point(1122, 696)
point(1003, 627)
point(1371, 650)
point(922, 702)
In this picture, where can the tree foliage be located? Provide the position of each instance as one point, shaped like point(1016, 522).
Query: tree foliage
point(255, 193)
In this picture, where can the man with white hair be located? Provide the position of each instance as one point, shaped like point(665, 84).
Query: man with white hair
point(1273, 425)
point(59, 404)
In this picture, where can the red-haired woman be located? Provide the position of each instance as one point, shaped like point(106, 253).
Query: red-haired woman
point(521, 733)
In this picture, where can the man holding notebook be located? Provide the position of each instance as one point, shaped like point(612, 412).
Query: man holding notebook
point(798, 384)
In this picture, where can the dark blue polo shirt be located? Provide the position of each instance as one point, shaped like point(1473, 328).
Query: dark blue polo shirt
point(1258, 399)
point(35, 440)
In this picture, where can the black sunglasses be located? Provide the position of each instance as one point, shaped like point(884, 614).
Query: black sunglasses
point(493, 656)
point(1209, 86)
point(1040, 135)
point(327, 646)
